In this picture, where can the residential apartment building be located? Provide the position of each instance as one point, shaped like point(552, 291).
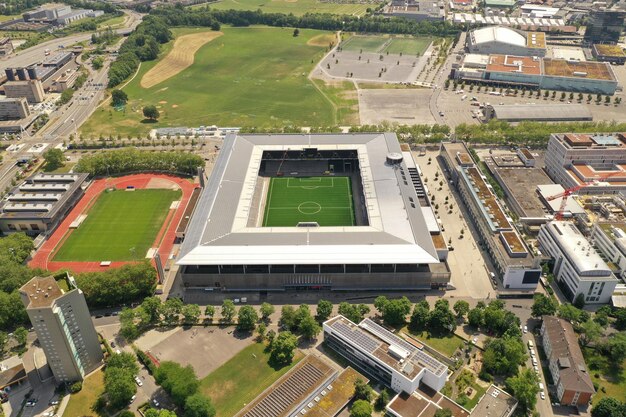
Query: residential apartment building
point(566, 362)
point(32, 90)
point(577, 266)
point(384, 356)
point(516, 265)
point(14, 109)
point(597, 162)
point(59, 314)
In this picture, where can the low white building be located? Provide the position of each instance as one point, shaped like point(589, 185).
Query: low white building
point(577, 264)
point(384, 356)
point(610, 239)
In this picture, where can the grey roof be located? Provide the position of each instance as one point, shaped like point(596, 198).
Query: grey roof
point(581, 254)
point(515, 112)
point(219, 232)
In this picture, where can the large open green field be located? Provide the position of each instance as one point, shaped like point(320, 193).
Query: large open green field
point(393, 45)
point(242, 379)
point(254, 76)
point(325, 200)
point(297, 7)
point(121, 226)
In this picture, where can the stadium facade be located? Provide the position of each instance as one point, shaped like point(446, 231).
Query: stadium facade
point(395, 243)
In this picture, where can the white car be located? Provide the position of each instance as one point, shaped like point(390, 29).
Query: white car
point(138, 381)
point(536, 368)
point(132, 399)
point(525, 329)
point(543, 396)
point(156, 403)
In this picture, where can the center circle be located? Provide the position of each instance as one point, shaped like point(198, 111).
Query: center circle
point(309, 207)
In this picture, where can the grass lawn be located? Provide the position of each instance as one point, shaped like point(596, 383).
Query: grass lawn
point(61, 170)
point(409, 46)
point(446, 345)
point(610, 378)
point(325, 200)
point(118, 222)
point(297, 7)
point(4, 18)
point(113, 22)
point(81, 402)
point(241, 379)
point(254, 76)
point(365, 43)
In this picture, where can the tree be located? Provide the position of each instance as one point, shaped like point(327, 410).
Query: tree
point(179, 382)
point(617, 347)
point(197, 405)
point(608, 407)
point(570, 313)
point(296, 32)
point(118, 98)
point(309, 327)
point(461, 308)
point(301, 313)
point(362, 391)
point(283, 348)
point(443, 412)
point(419, 318)
point(54, 159)
point(247, 318)
point(524, 387)
point(153, 412)
point(128, 328)
point(267, 310)
point(380, 302)
point(352, 312)
point(382, 399)
point(124, 360)
point(394, 312)
point(20, 334)
point(151, 306)
point(324, 310)
point(361, 408)
point(590, 332)
point(228, 311)
point(441, 319)
point(579, 301)
point(191, 313)
point(170, 310)
point(620, 319)
point(209, 312)
point(4, 338)
point(543, 306)
point(503, 356)
point(288, 317)
point(151, 112)
point(119, 386)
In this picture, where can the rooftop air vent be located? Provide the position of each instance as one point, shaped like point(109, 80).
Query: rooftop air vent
point(394, 158)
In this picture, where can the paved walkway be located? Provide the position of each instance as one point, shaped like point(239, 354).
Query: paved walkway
point(164, 240)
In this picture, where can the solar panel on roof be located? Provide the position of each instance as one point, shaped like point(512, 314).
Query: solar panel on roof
point(356, 336)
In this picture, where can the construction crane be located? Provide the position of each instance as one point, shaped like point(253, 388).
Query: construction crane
point(565, 194)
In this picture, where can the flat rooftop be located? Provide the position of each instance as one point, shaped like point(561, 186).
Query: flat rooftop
point(511, 63)
point(609, 50)
point(43, 291)
point(536, 40)
point(487, 199)
point(338, 394)
point(521, 183)
point(219, 231)
point(601, 141)
point(387, 347)
point(495, 402)
point(577, 69)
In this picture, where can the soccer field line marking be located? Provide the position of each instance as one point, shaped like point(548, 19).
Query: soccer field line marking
point(295, 208)
point(269, 203)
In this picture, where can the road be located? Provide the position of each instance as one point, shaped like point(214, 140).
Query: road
point(66, 119)
point(441, 78)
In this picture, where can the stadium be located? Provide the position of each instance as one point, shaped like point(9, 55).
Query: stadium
point(313, 212)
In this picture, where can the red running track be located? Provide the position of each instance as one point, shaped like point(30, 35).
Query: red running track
point(165, 237)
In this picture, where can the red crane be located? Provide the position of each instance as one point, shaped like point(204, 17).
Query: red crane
point(565, 194)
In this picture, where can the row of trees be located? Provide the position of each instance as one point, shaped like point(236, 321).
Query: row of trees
point(179, 16)
point(141, 45)
point(132, 160)
point(119, 383)
point(182, 384)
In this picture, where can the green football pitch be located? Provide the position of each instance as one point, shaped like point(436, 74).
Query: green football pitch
point(121, 226)
point(325, 200)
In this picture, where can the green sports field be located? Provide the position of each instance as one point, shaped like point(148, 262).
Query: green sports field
point(121, 226)
point(297, 7)
point(325, 200)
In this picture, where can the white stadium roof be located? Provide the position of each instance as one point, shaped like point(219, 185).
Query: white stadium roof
point(219, 232)
point(498, 34)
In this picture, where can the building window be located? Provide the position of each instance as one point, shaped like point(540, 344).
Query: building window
point(12, 226)
point(34, 226)
point(23, 227)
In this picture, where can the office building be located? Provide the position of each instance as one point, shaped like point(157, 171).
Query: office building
point(516, 266)
point(605, 26)
point(384, 356)
point(566, 362)
point(32, 90)
point(394, 242)
point(59, 314)
point(14, 109)
point(594, 163)
point(40, 203)
point(577, 266)
point(505, 41)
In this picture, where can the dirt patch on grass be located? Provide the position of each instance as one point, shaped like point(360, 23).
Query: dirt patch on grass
point(321, 40)
point(180, 57)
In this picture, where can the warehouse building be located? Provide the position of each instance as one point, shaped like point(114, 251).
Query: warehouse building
point(417, 10)
point(566, 362)
point(40, 203)
point(511, 21)
point(14, 109)
point(578, 267)
point(516, 113)
point(504, 40)
point(384, 356)
point(516, 266)
point(394, 243)
point(596, 162)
